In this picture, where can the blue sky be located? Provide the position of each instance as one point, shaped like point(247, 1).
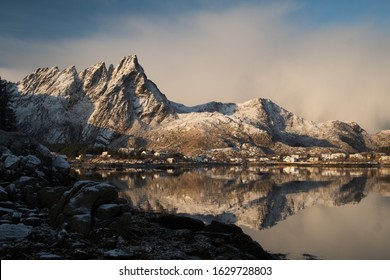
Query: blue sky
point(72, 18)
point(320, 59)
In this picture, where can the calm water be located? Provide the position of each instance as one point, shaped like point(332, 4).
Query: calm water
point(329, 213)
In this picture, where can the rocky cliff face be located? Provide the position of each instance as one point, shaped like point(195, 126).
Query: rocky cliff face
point(120, 107)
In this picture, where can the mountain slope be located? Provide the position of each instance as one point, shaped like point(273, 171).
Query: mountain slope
point(382, 138)
point(120, 107)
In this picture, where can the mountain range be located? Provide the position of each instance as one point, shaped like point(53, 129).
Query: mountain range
point(119, 107)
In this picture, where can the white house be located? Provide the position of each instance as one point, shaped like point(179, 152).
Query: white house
point(292, 158)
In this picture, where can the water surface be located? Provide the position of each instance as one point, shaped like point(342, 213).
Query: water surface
point(328, 213)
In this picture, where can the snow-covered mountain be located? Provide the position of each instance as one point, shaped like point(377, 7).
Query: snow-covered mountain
point(119, 107)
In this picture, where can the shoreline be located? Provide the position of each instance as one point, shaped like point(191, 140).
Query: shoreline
point(123, 164)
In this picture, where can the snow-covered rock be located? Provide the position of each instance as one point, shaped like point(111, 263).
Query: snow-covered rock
point(120, 107)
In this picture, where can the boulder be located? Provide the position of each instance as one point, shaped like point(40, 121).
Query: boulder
point(61, 165)
point(90, 197)
point(77, 205)
point(32, 162)
point(42, 152)
point(12, 162)
point(12, 232)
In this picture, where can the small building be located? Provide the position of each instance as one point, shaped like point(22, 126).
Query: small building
point(384, 159)
point(171, 160)
point(313, 159)
point(161, 154)
point(277, 158)
point(357, 156)
point(105, 154)
point(291, 158)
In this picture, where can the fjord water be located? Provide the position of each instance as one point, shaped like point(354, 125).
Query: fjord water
point(303, 212)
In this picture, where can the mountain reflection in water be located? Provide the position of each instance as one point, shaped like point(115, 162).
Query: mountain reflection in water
point(274, 205)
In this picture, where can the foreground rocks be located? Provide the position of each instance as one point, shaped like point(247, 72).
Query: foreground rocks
point(44, 214)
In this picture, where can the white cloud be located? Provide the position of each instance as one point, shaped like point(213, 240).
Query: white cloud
point(333, 72)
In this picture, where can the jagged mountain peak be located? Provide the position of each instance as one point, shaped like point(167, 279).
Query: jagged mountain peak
point(127, 65)
point(70, 69)
point(120, 106)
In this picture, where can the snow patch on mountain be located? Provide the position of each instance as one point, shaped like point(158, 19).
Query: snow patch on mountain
point(119, 106)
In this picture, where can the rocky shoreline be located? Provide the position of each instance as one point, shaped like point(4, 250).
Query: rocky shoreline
point(47, 214)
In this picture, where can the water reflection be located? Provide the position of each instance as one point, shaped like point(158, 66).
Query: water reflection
point(258, 198)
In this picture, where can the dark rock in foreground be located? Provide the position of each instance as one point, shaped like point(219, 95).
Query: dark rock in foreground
point(46, 215)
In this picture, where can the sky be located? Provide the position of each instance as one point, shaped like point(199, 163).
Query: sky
point(322, 60)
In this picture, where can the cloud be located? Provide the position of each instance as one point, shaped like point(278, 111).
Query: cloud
point(337, 71)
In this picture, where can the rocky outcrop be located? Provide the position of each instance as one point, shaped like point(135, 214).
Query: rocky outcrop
point(44, 214)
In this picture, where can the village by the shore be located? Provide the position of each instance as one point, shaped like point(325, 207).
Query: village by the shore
point(129, 157)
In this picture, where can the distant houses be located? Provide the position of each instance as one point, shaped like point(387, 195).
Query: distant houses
point(335, 156)
point(143, 156)
point(385, 159)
